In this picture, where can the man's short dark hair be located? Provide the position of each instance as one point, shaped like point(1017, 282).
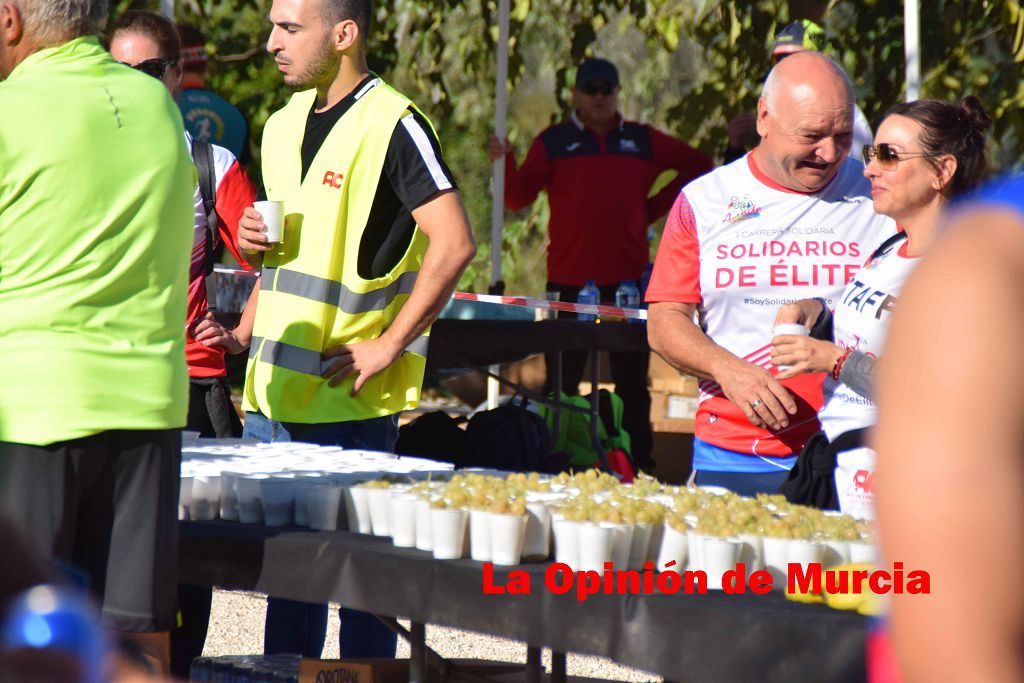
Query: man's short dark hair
point(359, 11)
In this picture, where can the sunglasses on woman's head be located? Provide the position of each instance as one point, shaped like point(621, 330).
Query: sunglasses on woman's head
point(887, 157)
point(153, 67)
point(605, 89)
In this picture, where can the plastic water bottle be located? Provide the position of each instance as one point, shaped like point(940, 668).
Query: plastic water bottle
point(645, 280)
point(58, 620)
point(628, 296)
point(590, 294)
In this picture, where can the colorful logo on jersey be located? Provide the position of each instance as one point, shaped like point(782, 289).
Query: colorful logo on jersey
point(741, 208)
point(332, 179)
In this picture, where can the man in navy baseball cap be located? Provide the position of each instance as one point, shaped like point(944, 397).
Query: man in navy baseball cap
point(597, 71)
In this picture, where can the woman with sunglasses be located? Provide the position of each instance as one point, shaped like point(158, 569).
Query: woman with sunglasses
point(925, 153)
point(149, 42)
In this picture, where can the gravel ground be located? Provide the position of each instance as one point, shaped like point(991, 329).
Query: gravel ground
point(236, 627)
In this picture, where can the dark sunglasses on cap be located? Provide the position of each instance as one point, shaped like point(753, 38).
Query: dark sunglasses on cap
point(887, 157)
point(154, 67)
point(602, 88)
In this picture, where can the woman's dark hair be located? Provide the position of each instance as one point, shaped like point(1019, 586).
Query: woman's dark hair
point(956, 129)
point(152, 25)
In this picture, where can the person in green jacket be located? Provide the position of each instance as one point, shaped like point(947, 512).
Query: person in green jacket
point(95, 227)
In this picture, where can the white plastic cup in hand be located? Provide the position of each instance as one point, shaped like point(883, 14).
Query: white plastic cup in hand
point(273, 218)
point(794, 329)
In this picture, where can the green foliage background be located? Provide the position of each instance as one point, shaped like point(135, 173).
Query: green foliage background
point(688, 66)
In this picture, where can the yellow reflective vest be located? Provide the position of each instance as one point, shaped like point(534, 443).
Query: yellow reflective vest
point(311, 296)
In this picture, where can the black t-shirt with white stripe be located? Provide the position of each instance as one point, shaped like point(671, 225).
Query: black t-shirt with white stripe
point(414, 171)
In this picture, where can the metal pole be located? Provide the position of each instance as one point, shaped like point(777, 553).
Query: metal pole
point(498, 208)
point(912, 48)
point(500, 124)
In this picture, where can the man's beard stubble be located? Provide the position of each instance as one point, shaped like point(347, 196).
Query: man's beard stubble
point(322, 69)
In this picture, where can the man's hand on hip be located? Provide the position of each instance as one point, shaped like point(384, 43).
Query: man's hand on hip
point(765, 402)
point(364, 358)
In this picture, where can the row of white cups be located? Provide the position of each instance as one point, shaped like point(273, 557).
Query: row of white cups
point(326, 489)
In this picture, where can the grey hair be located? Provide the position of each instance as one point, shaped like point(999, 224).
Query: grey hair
point(52, 22)
point(770, 90)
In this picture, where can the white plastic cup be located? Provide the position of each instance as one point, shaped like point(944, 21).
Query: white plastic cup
point(184, 497)
point(836, 553)
point(776, 560)
point(675, 547)
point(273, 216)
point(357, 509)
point(861, 551)
point(507, 535)
point(424, 529)
point(403, 520)
point(567, 542)
point(302, 484)
point(537, 544)
point(322, 504)
point(380, 510)
point(250, 503)
point(751, 552)
point(720, 555)
point(449, 529)
point(795, 329)
point(694, 549)
point(229, 495)
point(622, 540)
point(205, 499)
point(639, 544)
point(480, 535)
point(654, 545)
point(595, 546)
point(278, 496)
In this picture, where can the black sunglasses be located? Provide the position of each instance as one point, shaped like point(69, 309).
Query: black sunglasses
point(887, 157)
point(153, 67)
point(605, 89)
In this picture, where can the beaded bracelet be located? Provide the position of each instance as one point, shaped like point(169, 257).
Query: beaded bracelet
point(838, 367)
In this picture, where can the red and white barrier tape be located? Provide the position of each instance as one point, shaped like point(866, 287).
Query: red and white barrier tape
point(530, 302)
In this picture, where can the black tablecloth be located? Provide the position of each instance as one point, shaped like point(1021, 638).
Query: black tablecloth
point(473, 343)
point(713, 637)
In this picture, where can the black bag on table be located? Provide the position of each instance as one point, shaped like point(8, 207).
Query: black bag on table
point(812, 480)
point(435, 435)
point(513, 438)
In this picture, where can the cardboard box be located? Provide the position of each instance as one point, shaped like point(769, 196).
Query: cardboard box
point(393, 670)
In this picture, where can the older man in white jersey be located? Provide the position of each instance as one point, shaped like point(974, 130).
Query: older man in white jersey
point(792, 219)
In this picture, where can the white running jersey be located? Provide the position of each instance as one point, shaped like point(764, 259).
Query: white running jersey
point(862, 316)
point(740, 246)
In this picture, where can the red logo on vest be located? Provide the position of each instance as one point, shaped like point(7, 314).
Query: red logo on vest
point(333, 179)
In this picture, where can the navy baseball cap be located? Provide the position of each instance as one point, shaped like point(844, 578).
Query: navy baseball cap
point(593, 70)
point(803, 35)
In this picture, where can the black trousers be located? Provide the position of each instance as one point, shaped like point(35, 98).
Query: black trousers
point(629, 372)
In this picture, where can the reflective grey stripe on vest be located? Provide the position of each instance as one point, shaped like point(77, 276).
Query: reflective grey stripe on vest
point(334, 293)
point(309, 362)
point(291, 357)
point(419, 346)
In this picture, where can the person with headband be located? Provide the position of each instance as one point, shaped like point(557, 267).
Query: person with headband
point(926, 153)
